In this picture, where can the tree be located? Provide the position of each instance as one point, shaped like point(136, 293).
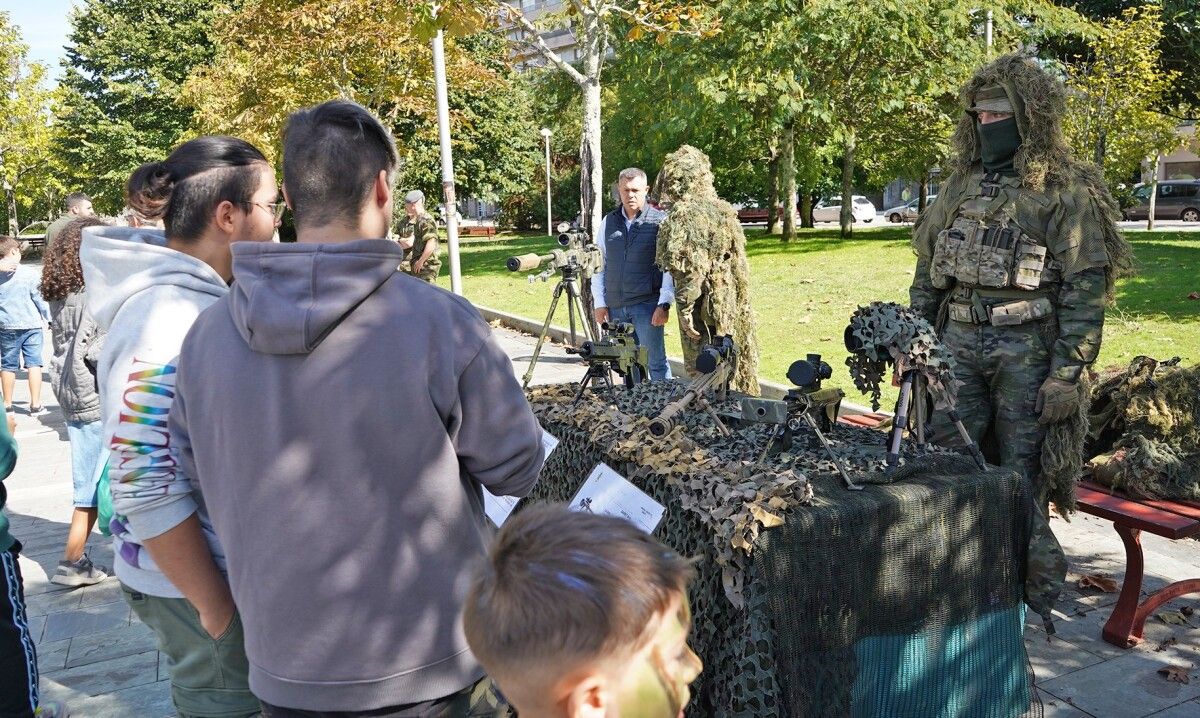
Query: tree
point(276, 56)
point(1112, 115)
point(24, 119)
point(126, 63)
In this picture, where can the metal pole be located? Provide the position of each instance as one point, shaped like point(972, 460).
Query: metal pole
point(443, 114)
point(989, 31)
point(549, 212)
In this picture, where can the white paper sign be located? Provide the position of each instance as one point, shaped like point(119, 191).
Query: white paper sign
point(607, 492)
point(499, 508)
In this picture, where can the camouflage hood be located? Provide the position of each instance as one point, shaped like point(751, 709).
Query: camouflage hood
point(1044, 162)
point(686, 173)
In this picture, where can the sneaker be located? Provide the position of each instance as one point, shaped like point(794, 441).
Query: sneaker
point(37, 410)
point(52, 709)
point(78, 573)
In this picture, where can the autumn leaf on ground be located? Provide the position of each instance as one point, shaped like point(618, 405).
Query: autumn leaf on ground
point(1187, 611)
point(1167, 643)
point(1174, 618)
point(1194, 295)
point(1178, 674)
point(1096, 581)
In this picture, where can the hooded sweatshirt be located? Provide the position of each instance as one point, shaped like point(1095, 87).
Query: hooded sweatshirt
point(340, 418)
point(145, 296)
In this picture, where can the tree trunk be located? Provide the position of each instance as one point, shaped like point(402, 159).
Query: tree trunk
point(1153, 193)
point(847, 213)
point(923, 193)
point(806, 209)
point(591, 169)
point(10, 195)
point(787, 169)
point(773, 189)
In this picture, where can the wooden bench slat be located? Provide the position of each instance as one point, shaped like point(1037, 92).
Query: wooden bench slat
point(1190, 509)
point(1167, 524)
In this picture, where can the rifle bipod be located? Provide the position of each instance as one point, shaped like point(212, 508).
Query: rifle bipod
point(910, 384)
point(594, 372)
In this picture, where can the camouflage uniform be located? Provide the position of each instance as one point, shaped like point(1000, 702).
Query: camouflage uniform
point(1015, 264)
point(423, 230)
point(1014, 268)
point(701, 244)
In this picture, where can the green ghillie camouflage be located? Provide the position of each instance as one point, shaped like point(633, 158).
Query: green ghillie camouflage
point(1020, 267)
point(702, 245)
point(1145, 430)
point(888, 332)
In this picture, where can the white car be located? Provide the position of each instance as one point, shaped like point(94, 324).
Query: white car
point(907, 212)
point(863, 210)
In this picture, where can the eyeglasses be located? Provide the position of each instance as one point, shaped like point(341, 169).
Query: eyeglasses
point(275, 209)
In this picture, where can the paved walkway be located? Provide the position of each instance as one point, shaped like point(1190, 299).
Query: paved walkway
point(96, 656)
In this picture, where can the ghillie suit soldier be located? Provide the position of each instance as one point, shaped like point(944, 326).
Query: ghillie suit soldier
point(1144, 433)
point(1016, 262)
point(701, 244)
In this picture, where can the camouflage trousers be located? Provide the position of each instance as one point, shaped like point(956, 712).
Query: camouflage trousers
point(1000, 370)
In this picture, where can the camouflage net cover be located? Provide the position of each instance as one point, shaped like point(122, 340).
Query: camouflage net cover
point(889, 332)
point(792, 568)
point(1144, 437)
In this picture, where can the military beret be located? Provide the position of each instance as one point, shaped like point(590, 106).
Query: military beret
point(414, 197)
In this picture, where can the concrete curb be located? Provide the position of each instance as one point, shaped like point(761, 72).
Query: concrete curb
point(562, 335)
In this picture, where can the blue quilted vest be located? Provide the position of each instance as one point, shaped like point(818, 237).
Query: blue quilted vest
point(630, 275)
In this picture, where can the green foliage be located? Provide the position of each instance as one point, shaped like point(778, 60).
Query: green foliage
point(1112, 115)
point(276, 56)
point(126, 63)
point(25, 151)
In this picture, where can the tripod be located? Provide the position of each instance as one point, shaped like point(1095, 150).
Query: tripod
point(908, 380)
point(569, 275)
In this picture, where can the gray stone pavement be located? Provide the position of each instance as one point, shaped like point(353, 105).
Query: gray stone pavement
point(95, 655)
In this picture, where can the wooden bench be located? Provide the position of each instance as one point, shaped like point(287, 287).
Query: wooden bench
point(477, 230)
point(1130, 517)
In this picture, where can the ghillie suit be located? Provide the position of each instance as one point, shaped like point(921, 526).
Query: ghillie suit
point(701, 244)
point(1144, 437)
point(1016, 262)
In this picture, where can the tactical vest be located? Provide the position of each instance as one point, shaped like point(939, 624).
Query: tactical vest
point(1000, 273)
point(630, 274)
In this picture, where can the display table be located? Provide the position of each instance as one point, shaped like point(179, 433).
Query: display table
point(903, 599)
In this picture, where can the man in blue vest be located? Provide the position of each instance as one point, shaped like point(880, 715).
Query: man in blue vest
point(632, 288)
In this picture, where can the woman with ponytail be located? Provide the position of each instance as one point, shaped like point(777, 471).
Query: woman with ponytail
point(145, 288)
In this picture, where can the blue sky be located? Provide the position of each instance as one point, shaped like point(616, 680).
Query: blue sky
point(43, 26)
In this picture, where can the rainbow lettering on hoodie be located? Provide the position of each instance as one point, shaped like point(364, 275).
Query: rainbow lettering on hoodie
point(141, 460)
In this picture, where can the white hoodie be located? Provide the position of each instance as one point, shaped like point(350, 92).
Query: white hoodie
point(146, 297)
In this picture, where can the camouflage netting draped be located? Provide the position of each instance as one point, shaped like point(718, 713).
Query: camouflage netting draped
point(702, 245)
point(810, 600)
point(1145, 430)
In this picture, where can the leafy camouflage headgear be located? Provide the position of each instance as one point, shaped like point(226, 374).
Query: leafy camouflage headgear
point(686, 172)
point(1044, 160)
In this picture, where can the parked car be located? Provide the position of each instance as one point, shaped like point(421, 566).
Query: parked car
point(907, 212)
point(863, 210)
point(1177, 199)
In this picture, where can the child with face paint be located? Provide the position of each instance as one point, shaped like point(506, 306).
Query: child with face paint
point(577, 615)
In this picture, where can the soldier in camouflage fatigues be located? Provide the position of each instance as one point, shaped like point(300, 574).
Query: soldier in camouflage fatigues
point(1015, 262)
point(702, 245)
point(418, 235)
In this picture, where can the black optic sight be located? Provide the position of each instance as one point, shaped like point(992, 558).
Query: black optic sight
point(808, 373)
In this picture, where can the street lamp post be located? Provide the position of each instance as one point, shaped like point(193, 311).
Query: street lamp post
point(448, 195)
point(549, 217)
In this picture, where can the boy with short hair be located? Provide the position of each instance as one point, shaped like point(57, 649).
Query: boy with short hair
point(577, 615)
point(23, 312)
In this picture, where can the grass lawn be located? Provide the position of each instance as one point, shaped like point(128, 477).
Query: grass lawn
point(805, 291)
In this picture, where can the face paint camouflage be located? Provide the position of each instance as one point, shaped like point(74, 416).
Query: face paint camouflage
point(656, 683)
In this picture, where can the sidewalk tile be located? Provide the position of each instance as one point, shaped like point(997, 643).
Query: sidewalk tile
point(113, 643)
point(85, 621)
point(108, 676)
point(1125, 687)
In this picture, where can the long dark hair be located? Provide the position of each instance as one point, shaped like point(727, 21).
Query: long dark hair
point(61, 272)
point(184, 189)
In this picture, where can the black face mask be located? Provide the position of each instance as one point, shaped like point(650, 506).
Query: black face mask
point(998, 145)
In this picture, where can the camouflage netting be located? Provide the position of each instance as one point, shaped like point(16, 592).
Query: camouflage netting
point(892, 334)
point(702, 245)
point(1145, 430)
point(807, 595)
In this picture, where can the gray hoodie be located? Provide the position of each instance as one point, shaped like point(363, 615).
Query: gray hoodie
point(340, 418)
point(145, 296)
